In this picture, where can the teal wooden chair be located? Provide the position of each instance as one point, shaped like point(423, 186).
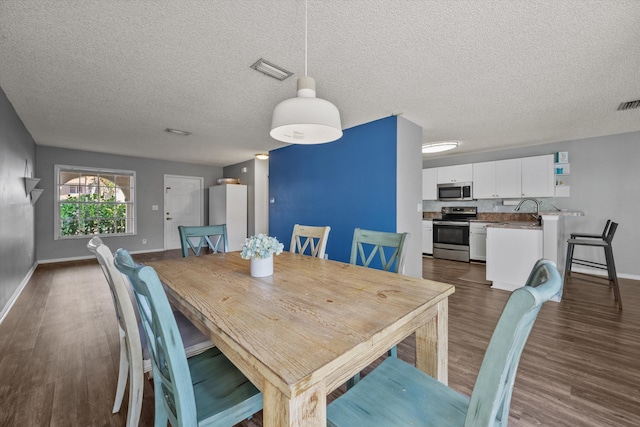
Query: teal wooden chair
point(312, 237)
point(398, 394)
point(389, 247)
point(131, 364)
point(204, 390)
point(205, 233)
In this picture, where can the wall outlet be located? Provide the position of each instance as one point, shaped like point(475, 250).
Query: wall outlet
point(144, 241)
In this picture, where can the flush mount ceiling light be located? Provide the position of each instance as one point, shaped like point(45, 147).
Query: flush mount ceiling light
point(262, 156)
point(271, 70)
point(306, 119)
point(177, 132)
point(438, 147)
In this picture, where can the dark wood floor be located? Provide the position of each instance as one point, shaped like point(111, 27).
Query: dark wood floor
point(581, 366)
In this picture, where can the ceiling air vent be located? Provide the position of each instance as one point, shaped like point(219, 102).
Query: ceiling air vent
point(629, 105)
point(271, 70)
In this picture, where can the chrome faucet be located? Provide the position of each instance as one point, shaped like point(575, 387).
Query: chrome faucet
point(528, 199)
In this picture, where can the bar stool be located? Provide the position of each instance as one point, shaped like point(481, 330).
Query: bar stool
point(595, 240)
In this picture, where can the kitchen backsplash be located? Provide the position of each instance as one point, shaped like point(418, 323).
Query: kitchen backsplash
point(490, 205)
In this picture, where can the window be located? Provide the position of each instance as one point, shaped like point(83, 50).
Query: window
point(94, 201)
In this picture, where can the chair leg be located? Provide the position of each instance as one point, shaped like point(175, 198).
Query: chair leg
point(136, 387)
point(393, 351)
point(613, 275)
point(568, 262)
point(122, 373)
point(353, 380)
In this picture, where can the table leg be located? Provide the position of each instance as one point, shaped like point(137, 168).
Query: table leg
point(308, 408)
point(432, 345)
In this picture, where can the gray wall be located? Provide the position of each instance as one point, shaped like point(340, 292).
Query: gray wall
point(149, 181)
point(605, 184)
point(17, 231)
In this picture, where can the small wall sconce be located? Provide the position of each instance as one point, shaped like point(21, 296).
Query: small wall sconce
point(30, 184)
point(30, 190)
point(35, 195)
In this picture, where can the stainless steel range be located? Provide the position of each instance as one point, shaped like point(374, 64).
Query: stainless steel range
point(451, 233)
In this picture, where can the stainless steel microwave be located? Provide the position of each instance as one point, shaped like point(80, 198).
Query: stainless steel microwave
point(455, 191)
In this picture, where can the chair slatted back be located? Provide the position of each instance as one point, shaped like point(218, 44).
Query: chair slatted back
point(606, 229)
point(611, 232)
point(204, 233)
point(315, 238)
point(172, 378)
point(491, 397)
point(367, 243)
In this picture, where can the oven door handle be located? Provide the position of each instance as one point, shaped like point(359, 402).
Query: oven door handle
point(458, 223)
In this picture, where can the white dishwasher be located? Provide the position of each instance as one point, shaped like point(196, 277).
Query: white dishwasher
point(478, 241)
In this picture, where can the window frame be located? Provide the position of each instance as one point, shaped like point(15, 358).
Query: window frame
point(58, 169)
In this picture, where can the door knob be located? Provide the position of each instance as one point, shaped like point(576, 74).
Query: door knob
point(169, 219)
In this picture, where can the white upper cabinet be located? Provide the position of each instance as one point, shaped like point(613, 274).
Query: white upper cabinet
point(508, 183)
point(430, 184)
point(457, 173)
point(497, 180)
point(538, 178)
point(484, 180)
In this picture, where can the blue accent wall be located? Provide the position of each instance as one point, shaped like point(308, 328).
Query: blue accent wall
point(346, 184)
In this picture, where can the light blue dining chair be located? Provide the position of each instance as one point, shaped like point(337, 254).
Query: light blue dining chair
point(398, 394)
point(205, 233)
point(390, 250)
point(388, 246)
point(204, 390)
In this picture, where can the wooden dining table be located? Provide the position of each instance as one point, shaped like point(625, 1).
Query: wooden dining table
point(304, 331)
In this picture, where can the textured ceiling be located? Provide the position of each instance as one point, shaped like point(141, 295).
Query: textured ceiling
point(110, 76)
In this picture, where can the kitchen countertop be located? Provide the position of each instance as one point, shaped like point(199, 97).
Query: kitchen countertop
point(518, 225)
point(505, 217)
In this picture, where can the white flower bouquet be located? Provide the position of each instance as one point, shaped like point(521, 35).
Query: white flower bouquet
point(261, 246)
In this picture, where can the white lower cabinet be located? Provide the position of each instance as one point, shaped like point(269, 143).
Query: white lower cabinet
point(427, 237)
point(478, 241)
point(511, 254)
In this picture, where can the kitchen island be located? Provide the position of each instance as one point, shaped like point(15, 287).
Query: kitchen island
point(514, 247)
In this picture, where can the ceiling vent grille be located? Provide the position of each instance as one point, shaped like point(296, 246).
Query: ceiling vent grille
point(629, 105)
point(271, 70)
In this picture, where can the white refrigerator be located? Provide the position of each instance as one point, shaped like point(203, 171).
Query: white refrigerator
point(228, 205)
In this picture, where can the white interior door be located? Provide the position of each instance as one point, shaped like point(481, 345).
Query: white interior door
point(183, 200)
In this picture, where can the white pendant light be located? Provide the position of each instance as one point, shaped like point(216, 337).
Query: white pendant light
point(306, 119)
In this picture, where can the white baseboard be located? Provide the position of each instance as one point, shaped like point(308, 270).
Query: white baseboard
point(17, 292)
point(27, 277)
point(85, 257)
point(603, 273)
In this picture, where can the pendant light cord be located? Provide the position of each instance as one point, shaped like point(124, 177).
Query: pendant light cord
point(306, 7)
